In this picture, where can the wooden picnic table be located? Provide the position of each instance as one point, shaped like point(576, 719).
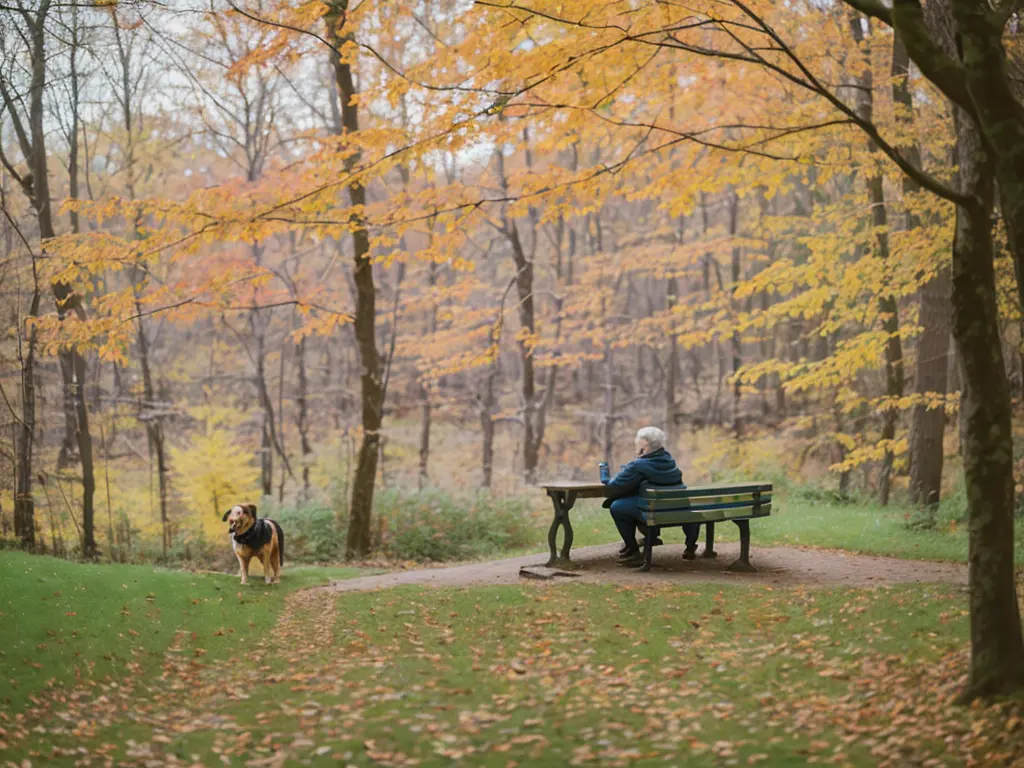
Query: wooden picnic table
point(564, 494)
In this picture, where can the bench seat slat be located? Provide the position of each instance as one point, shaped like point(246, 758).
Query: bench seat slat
point(677, 516)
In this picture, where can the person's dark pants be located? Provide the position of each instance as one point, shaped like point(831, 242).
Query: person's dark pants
point(627, 515)
point(691, 531)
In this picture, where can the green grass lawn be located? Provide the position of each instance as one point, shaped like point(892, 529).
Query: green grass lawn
point(797, 521)
point(62, 621)
point(504, 676)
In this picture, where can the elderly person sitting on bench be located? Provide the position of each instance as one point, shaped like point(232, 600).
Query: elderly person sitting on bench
point(656, 466)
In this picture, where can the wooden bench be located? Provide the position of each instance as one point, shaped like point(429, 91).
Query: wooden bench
point(674, 505)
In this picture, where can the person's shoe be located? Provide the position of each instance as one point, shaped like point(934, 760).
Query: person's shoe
point(627, 553)
point(690, 553)
point(633, 560)
point(625, 549)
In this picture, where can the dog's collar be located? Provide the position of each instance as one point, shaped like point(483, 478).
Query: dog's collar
point(253, 535)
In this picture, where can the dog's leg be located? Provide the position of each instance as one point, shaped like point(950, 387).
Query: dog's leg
point(275, 565)
point(243, 568)
point(268, 568)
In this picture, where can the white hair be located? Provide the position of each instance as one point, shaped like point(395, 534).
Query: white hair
point(655, 437)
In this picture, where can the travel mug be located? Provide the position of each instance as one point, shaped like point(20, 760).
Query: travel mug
point(603, 466)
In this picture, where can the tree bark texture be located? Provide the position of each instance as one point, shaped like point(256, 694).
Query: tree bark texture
point(357, 542)
point(426, 410)
point(24, 504)
point(737, 350)
point(302, 403)
point(927, 425)
point(997, 647)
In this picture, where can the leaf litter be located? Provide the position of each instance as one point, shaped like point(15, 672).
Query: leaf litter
point(588, 676)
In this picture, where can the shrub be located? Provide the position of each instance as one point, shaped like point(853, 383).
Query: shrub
point(438, 526)
point(430, 525)
point(832, 497)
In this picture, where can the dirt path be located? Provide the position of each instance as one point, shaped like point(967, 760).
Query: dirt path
point(777, 566)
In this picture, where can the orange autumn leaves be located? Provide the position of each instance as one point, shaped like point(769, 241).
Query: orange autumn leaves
point(595, 107)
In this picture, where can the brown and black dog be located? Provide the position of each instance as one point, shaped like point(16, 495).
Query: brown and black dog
point(257, 537)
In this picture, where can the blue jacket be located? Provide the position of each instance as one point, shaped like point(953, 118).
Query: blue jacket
point(657, 468)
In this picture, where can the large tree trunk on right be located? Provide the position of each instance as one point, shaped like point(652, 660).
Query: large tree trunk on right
point(999, 112)
point(997, 646)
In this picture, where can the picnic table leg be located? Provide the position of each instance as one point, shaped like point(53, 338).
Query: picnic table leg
point(709, 541)
point(743, 564)
point(562, 503)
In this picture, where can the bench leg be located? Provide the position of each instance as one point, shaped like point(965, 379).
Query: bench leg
point(743, 564)
point(709, 541)
point(648, 547)
point(562, 503)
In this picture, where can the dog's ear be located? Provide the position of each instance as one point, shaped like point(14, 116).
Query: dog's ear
point(225, 518)
point(251, 509)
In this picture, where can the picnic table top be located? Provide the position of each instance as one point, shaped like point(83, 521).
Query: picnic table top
point(579, 486)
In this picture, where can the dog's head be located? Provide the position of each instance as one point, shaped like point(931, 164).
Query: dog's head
point(240, 518)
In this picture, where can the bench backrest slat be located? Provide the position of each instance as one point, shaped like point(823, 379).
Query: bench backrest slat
point(675, 504)
point(689, 492)
point(728, 502)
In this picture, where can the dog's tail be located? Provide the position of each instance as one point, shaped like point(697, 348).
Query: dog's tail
point(280, 540)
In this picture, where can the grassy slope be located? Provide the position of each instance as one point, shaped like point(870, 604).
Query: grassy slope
point(796, 521)
point(62, 621)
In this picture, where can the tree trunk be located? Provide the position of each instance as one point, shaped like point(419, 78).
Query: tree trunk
point(609, 393)
point(888, 309)
point(303, 416)
point(997, 647)
point(525, 340)
point(734, 215)
point(150, 416)
point(427, 407)
point(424, 453)
point(24, 504)
point(357, 542)
point(487, 425)
point(267, 426)
point(672, 363)
point(927, 425)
